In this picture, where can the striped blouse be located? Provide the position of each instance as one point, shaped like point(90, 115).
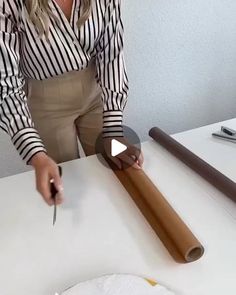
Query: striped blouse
point(24, 55)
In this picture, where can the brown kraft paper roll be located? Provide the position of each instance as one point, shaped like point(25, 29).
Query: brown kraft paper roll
point(172, 231)
point(209, 173)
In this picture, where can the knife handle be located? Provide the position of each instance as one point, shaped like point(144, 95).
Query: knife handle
point(53, 189)
point(228, 130)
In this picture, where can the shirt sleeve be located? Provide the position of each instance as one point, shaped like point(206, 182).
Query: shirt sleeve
point(15, 118)
point(111, 70)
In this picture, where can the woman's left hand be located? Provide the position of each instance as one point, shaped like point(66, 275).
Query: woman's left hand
point(132, 156)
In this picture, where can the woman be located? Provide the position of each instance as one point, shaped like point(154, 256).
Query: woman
point(62, 74)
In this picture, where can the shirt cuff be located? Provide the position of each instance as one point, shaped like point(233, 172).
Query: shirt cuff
point(28, 143)
point(112, 124)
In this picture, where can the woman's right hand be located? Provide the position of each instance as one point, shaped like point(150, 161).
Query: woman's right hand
point(47, 170)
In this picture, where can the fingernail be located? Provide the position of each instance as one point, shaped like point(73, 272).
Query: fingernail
point(61, 188)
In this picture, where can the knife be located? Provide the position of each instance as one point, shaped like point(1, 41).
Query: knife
point(54, 195)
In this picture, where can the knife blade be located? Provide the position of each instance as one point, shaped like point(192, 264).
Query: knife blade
point(54, 195)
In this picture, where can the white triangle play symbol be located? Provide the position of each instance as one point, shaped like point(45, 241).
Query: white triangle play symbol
point(117, 147)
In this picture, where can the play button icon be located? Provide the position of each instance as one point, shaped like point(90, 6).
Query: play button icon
point(117, 147)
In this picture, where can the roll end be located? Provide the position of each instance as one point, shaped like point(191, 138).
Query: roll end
point(151, 131)
point(195, 253)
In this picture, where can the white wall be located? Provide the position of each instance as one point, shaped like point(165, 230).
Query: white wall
point(181, 59)
point(10, 162)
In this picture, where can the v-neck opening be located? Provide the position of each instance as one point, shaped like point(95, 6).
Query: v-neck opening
point(69, 21)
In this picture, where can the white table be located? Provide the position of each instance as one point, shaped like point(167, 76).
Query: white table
point(100, 231)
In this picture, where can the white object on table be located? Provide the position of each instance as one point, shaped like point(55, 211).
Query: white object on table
point(117, 285)
point(100, 231)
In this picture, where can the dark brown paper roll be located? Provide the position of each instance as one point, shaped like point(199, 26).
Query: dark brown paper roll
point(209, 173)
point(172, 231)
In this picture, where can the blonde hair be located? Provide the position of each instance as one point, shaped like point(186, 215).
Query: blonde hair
point(39, 13)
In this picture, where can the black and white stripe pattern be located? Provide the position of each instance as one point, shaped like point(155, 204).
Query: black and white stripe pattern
point(23, 54)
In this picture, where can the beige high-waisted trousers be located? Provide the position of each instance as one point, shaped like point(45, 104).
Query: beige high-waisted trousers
point(65, 108)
